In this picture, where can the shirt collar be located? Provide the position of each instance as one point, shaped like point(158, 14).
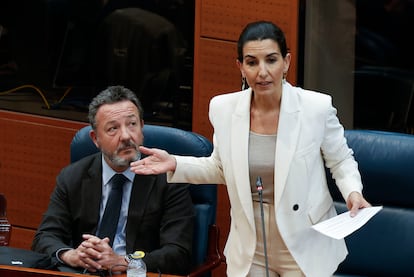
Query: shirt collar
point(108, 172)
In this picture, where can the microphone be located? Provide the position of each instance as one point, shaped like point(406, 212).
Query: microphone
point(259, 185)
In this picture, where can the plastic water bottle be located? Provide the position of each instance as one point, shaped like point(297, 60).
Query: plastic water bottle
point(5, 226)
point(136, 266)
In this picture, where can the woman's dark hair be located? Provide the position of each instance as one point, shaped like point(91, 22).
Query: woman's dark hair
point(261, 30)
point(112, 95)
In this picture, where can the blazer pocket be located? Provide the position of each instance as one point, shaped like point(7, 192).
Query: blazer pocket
point(319, 212)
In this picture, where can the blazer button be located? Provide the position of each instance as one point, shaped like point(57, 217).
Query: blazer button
point(295, 207)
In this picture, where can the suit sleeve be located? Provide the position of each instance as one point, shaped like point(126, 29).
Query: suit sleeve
point(73, 208)
point(53, 233)
point(339, 157)
point(174, 253)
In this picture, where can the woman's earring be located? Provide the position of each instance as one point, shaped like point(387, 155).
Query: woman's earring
point(284, 77)
point(244, 84)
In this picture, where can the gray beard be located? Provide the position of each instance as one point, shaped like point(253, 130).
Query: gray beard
point(121, 162)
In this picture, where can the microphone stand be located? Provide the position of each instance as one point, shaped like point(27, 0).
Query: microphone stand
point(259, 186)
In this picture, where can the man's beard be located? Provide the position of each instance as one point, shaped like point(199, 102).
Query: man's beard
point(122, 162)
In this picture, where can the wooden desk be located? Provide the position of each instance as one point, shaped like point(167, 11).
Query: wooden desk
point(15, 271)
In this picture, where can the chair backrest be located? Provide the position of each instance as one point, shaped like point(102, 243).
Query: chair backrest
point(382, 247)
point(179, 142)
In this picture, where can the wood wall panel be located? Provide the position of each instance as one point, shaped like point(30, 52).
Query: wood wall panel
point(225, 19)
point(218, 25)
point(33, 150)
point(22, 237)
point(218, 74)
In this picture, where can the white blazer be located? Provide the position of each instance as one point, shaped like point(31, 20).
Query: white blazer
point(309, 136)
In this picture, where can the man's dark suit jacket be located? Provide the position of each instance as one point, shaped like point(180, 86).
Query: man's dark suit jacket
point(160, 217)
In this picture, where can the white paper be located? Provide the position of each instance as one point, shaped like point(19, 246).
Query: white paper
point(343, 224)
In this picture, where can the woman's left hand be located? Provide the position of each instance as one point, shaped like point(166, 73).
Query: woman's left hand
point(355, 202)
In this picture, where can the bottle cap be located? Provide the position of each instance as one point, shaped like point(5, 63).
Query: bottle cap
point(138, 255)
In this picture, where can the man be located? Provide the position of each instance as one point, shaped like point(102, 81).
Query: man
point(155, 217)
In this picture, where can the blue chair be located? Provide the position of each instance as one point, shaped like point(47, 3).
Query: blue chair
point(206, 255)
point(384, 246)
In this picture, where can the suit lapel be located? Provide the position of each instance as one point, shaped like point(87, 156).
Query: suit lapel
point(240, 127)
point(287, 137)
point(92, 194)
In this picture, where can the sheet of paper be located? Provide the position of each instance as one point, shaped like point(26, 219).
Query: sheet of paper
point(343, 224)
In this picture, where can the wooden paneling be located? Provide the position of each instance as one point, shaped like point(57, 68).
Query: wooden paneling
point(217, 27)
point(22, 237)
point(17, 271)
point(33, 150)
point(225, 19)
point(218, 74)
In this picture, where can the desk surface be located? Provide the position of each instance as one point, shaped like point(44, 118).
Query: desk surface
point(15, 271)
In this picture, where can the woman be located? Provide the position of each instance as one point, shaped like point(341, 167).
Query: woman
point(285, 135)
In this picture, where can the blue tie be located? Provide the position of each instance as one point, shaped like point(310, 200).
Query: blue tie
point(110, 217)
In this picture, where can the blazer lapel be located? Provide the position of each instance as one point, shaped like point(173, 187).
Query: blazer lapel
point(240, 127)
point(287, 137)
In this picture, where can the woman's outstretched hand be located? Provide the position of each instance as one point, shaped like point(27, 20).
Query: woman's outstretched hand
point(157, 161)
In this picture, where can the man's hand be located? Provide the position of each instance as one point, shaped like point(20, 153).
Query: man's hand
point(94, 254)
